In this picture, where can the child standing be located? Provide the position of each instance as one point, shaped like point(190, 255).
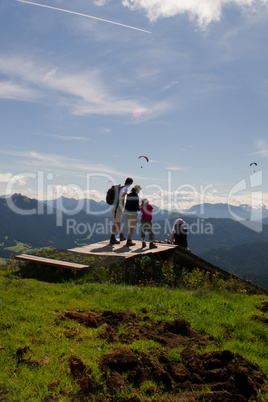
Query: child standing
point(146, 223)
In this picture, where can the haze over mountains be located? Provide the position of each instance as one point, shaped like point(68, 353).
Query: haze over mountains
point(237, 246)
point(240, 212)
point(206, 210)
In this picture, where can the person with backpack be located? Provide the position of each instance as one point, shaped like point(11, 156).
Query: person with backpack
point(179, 234)
point(146, 223)
point(131, 213)
point(116, 198)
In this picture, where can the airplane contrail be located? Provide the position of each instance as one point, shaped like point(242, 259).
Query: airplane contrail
point(84, 15)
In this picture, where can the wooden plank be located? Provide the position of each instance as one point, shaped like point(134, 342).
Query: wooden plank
point(49, 261)
point(103, 248)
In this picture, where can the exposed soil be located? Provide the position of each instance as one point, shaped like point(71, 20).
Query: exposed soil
point(261, 319)
point(264, 307)
point(228, 377)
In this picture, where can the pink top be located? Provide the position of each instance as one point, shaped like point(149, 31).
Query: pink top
point(147, 211)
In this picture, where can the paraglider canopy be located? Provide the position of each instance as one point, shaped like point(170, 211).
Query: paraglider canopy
point(174, 214)
point(142, 156)
point(253, 163)
point(145, 157)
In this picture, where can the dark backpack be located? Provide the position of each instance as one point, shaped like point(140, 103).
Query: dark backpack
point(112, 196)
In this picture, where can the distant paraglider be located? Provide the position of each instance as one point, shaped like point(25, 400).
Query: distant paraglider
point(252, 164)
point(145, 157)
point(174, 214)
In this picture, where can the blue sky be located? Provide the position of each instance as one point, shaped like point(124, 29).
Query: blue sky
point(81, 99)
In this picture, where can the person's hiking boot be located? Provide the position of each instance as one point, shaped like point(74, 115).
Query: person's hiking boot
point(130, 243)
point(113, 240)
point(152, 245)
point(122, 237)
point(143, 244)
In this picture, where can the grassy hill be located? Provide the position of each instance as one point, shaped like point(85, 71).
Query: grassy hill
point(249, 261)
point(189, 336)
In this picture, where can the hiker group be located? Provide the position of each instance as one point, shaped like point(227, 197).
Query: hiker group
point(126, 202)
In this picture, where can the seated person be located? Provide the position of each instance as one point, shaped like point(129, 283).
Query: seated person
point(179, 234)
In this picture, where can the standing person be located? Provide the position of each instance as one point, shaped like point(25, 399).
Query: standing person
point(131, 210)
point(179, 234)
point(146, 223)
point(117, 211)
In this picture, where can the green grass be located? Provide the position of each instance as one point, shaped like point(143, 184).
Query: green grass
point(19, 246)
point(30, 317)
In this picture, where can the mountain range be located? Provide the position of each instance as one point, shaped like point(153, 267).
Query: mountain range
point(205, 210)
point(234, 212)
point(237, 246)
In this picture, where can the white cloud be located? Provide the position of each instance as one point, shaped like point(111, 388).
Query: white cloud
point(76, 193)
point(205, 11)
point(174, 200)
point(172, 84)
point(83, 93)
point(8, 177)
point(104, 130)
point(10, 90)
point(262, 148)
point(58, 163)
point(95, 195)
point(68, 137)
point(55, 161)
point(183, 200)
point(101, 2)
point(168, 200)
point(71, 191)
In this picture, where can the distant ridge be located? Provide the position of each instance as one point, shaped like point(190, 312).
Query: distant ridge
point(227, 211)
point(206, 210)
point(85, 204)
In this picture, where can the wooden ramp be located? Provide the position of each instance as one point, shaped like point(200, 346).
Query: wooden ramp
point(49, 261)
point(104, 249)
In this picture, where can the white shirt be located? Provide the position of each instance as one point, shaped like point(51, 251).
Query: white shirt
point(123, 189)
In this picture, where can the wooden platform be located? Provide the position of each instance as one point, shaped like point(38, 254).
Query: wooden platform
point(118, 251)
point(103, 248)
point(180, 256)
point(49, 261)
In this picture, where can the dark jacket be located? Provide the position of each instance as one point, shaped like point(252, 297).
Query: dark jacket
point(132, 202)
point(180, 236)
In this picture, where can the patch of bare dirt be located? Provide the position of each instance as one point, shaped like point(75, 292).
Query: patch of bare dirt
point(20, 353)
point(264, 307)
point(176, 333)
point(261, 319)
point(228, 376)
